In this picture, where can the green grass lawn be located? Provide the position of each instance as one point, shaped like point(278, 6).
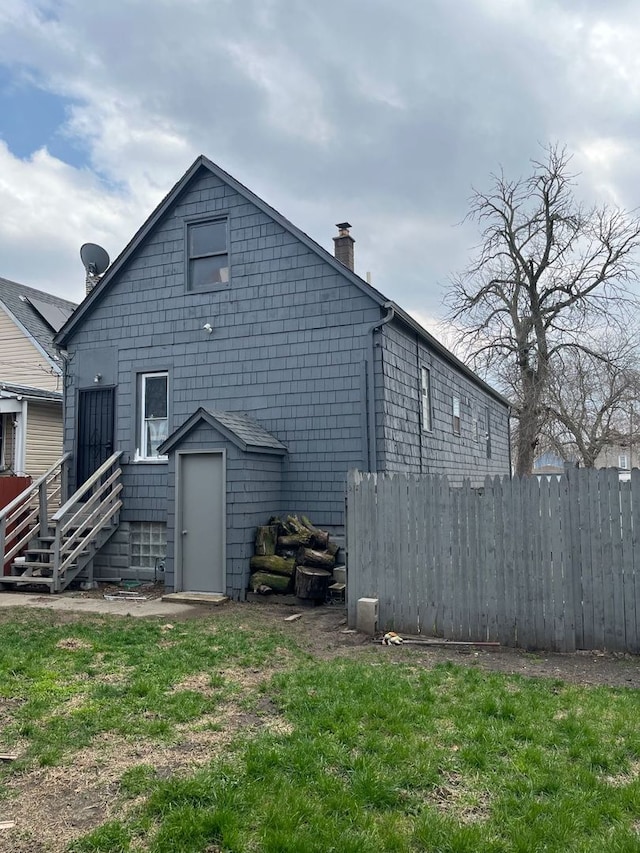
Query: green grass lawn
point(299, 754)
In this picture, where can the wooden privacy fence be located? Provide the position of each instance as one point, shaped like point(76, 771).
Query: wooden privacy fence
point(549, 563)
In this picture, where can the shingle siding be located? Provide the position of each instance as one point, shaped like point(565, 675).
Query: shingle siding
point(405, 446)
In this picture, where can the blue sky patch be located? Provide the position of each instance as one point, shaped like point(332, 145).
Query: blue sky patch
point(31, 118)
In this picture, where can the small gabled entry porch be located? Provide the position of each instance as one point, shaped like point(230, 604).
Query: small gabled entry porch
point(47, 543)
point(225, 478)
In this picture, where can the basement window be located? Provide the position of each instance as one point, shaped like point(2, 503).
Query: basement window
point(147, 543)
point(207, 254)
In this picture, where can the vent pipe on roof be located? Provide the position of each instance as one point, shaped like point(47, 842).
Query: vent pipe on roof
point(344, 245)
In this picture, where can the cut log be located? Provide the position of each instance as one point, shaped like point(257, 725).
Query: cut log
point(332, 548)
point(273, 563)
point(293, 540)
point(278, 583)
point(319, 537)
point(310, 557)
point(266, 538)
point(312, 583)
point(293, 527)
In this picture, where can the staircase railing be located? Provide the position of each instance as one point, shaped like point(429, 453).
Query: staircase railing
point(27, 515)
point(94, 506)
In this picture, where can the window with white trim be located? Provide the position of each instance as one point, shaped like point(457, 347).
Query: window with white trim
point(208, 254)
point(425, 393)
point(623, 462)
point(153, 414)
point(456, 415)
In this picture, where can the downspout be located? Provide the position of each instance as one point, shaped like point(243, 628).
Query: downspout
point(509, 441)
point(20, 440)
point(371, 387)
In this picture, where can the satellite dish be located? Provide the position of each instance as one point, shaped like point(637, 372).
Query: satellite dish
point(94, 258)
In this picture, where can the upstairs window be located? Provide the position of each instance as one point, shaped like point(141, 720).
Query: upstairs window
point(425, 394)
point(456, 415)
point(623, 462)
point(153, 415)
point(208, 254)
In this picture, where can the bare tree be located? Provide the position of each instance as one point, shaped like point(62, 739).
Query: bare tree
point(548, 272)
point(590, 402)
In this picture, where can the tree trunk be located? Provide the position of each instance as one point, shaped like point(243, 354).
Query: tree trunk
point(312, 583)
point(273, 563)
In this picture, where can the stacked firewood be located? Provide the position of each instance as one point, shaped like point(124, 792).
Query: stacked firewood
point(293, 556)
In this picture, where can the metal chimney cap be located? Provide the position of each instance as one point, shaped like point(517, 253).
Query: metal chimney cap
point(343, 227)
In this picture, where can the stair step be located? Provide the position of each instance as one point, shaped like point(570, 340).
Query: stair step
point(10, 579)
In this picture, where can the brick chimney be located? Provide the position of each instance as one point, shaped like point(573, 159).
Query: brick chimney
point(344, 245)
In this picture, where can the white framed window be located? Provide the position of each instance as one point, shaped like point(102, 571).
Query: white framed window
point(425, 394)
point(623, 462)
point(207, 254)
point(456, 415)
point(153, 414)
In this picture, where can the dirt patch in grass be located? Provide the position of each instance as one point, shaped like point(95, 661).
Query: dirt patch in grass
point(455, 796)
point(322, 632)
point(53, 805)
point(72, 644)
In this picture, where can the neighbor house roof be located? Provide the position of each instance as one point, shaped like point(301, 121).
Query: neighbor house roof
point(237, 427)
point(203, 162)
point(9, 389)
point(40, 315)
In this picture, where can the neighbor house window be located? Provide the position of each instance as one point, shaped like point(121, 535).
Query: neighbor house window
point(623, 462)
point(425, 391)
point(153, 414)
point(208, 254)
point(456, 415)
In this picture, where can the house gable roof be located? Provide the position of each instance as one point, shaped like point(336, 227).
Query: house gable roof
point(203, 162)
point(236, 427)
point(19, 302)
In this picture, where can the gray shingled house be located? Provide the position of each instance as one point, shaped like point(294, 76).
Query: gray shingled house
point(240, 370)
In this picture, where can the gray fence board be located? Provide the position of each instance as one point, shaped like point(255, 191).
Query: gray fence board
point(550, 563)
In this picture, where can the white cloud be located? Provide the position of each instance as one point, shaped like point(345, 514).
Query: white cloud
point(385, 118)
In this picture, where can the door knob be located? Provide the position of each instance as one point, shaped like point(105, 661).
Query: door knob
point(184, 532)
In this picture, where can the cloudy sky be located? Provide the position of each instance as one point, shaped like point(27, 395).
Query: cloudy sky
point(382, 112)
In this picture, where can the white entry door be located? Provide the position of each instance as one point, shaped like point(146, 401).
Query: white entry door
point(201, 521)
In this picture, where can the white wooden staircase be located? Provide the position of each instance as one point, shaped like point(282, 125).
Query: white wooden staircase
point(47, 545)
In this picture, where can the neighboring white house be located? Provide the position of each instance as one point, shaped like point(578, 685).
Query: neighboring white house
point(31, 378)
